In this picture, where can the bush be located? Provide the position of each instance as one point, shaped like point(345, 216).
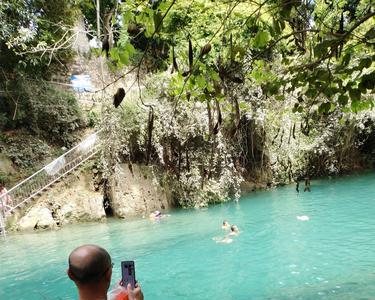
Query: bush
point(4, 120)
point(50, 112)
point(4, 179)
point(93, 118)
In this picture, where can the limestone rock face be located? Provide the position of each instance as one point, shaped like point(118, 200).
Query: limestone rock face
point(135, 191)
point(82, 209)
point(73, 200)
point(45, 219)
point(37, 218)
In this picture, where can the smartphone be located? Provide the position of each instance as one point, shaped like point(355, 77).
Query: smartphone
point(128, 273)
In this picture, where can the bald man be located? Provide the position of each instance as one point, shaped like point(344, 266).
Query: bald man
point(90, 267)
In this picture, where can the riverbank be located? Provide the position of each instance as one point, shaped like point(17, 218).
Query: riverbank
point(81, 197)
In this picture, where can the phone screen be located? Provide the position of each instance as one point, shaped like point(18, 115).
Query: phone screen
point(128, 273)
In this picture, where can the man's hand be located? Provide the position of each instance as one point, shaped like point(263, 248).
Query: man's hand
point(135, 294)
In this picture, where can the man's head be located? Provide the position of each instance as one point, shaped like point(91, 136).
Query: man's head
point(90, 266)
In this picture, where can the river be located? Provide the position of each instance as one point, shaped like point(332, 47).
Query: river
point(317, 245)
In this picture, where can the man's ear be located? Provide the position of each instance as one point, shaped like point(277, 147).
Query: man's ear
point(108, 275)
point(70, 274)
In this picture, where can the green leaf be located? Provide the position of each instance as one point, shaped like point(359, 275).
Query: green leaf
point(124, 57)
point(276, 26)
point(261, 39)
point(328, 92)
point(130, 49)
point(214, 75)
point(311, 92)
point(282, 24)
point(355, 95)
point(355, 106)
point(158, 18)
point(322, 75)
point(368, 81)
point(243, 106)
point(324, 107)
point(126, 17)
point(322, 48)
point(114, 53)
point(210, 87)
point(343, 100)
point(365, 63)
point(370, 34)
point(272, 88)
point(286, 10)
point(238, 51)
point(364, 105)
point(201, 82)
point(346, 59)
point(362, 88)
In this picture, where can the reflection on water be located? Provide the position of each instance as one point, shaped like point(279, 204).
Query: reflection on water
point(328, 254)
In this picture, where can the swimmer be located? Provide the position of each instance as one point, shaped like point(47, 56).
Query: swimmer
point(234, 230)
point(156, 215)
point(225, 225)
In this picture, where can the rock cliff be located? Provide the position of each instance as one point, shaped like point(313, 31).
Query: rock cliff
point(72, 200)
point(135, 191)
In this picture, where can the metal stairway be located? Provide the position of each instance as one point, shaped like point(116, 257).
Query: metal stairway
point(33, 186)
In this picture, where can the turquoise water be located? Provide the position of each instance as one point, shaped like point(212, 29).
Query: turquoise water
point(276, 256)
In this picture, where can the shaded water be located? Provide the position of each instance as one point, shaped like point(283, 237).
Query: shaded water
point(276, 256)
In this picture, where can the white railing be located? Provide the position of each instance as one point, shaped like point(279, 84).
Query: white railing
point(24, 191)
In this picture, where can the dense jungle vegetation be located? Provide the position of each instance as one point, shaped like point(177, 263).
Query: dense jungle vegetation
point(266, 91)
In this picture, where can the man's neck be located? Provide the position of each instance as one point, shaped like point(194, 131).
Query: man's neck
point(92, 295)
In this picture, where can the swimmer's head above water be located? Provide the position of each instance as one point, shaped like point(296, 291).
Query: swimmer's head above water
point(225, 225)
point(234, 229)
point(155, 214)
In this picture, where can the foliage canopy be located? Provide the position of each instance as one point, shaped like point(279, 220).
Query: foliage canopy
point(322, 52)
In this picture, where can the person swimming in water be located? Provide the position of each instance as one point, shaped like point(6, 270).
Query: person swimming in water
point(228, 238)
point(225, 225)
point(234, 230)
point(156, 215)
